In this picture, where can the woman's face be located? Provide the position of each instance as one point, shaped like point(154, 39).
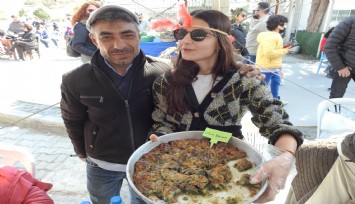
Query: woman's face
point(240, 17)
point(90, 9)
point(202, 52)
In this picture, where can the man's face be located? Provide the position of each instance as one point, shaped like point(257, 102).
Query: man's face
point(140, 17)
point(256, 12)
point(118, 42)
point(14, 19)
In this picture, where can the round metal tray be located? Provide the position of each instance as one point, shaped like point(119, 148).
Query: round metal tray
point(252, 154)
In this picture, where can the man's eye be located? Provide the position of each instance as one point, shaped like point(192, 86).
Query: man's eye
point(105, 37)
point(129, 35)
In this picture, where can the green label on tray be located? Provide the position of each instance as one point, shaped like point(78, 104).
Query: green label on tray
point(217, 136)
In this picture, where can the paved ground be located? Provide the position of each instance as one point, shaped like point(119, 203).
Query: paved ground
point(27, 88)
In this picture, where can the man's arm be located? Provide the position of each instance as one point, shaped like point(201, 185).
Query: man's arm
point(74, 115)
point(336, 39)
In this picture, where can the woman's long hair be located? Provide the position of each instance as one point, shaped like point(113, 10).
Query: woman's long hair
point(80, 14)
point(185, 72)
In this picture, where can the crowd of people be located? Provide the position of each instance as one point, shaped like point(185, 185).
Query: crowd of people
point(23, 35)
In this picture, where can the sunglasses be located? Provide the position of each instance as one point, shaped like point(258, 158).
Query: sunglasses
point(196, 35)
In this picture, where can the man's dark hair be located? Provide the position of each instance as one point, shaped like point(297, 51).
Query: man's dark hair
point(264, 6)
point(326, 35)
point(274, 21)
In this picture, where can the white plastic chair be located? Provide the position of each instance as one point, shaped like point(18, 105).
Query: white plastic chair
point(251, 133)
point(334, 105)
point(10, 155)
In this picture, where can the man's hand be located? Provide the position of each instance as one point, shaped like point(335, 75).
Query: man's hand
point(345, 72)
point(154, 138)
point(250, 71)
point(82, 159)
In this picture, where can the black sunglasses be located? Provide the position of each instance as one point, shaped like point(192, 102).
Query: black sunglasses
point(196, 35)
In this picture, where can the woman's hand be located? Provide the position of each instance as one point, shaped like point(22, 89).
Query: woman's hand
point(276, 171)
point(154, 138)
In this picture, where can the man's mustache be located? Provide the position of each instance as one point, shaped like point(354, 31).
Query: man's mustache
point(122, 51)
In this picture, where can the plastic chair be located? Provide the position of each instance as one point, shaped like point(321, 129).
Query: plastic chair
point(335, 105)
point(251, 133)
point(322, 59)
point(12, 154)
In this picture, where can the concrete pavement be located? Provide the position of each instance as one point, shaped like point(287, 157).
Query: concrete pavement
point(27, 88)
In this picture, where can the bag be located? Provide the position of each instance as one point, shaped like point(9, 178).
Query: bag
point(70, 51)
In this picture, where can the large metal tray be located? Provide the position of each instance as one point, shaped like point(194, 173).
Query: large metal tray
point(252, 154)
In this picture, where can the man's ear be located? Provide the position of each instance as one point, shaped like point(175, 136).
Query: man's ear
point(93, 39)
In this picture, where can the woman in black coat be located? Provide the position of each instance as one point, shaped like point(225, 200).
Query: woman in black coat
point(238, 32)
point(81, 41)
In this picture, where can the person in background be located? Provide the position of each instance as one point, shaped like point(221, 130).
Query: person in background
point(329, 69)
point(36, 22)
point(324, 39)
point(206, 89)
point(81, 41)
point(340, 51)
point(270, 52)
point(42, 33)
point(27, 41)
point(261, 13)
point(144, 25)
point(15, 26)
point(239, 34)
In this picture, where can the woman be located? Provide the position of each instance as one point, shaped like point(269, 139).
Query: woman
point(26, 42)
point(238, 32)
point(205, 89)
point(81, 41)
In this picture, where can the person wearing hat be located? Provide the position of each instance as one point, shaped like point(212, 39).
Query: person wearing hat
point(106, 105)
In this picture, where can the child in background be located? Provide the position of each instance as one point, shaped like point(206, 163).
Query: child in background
point(270, 52)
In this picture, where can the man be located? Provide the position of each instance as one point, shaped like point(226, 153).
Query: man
point(261, 14)
point(340, 51)
point(143, 25)
point(107, 104)
point(15, 26)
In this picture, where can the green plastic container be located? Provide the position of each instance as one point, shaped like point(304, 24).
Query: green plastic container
point(147, 38)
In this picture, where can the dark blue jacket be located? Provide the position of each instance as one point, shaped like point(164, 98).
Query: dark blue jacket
point(81, 41)
point(239, 34)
